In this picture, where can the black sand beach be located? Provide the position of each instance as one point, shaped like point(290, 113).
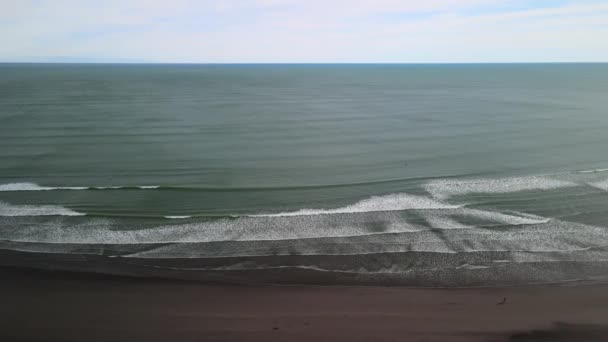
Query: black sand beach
point(61, 306)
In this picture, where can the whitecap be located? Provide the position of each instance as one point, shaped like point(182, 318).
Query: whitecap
point(510, 218)
point(392, 202)
point(26, 186)
point(7, 209)
point(593, 170)
point(443, 189)
point(471, 267)
point(29, 186)
point(603, 184)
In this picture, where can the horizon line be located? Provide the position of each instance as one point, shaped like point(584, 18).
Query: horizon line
point(301, 63)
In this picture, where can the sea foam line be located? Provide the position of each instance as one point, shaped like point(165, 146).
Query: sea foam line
point(546, 236)
point(395, 269)
point(392, 202)
point(36, 187)
point(28, 186)
point(593, 170)
point(444, 189)
point(603, 184)
point(7, 209)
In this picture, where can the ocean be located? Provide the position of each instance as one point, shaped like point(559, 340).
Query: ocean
point(415, 175)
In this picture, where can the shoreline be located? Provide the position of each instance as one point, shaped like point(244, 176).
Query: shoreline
point(119, 276)
point(218, 271)
point(64, 306)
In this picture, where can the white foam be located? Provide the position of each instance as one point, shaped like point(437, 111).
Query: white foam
point(29, 186)
point(7, 209)
point(443, 189)
point(395, 269)
point(97, 231)
point(593, 171)
point(372, 218)
point(442, 221)
point(434, 245)
point(177, 216)
point(511, 218)
point(561, 239)
point(35, 187)
point(241, 229)
point(471, 267)
point(603, 184)
point(392, 202)
point(179, 251)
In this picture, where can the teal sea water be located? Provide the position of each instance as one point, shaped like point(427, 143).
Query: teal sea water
point(426, 175)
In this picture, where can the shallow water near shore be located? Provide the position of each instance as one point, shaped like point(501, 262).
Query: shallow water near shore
point(424, 175)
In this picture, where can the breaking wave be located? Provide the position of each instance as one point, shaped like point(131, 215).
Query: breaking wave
point(392, 202)
point(36, 187)
point(7, 209)
point(603, 184)
point(593, 170)
point(444, 189)
point(27, 186)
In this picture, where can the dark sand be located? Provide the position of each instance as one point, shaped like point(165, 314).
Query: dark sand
point(47, 306)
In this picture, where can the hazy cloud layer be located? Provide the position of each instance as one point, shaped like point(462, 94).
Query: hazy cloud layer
point(304, 31)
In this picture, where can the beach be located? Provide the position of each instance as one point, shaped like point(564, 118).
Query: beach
point(61, 306)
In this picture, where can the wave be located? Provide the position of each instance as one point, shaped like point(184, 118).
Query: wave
point(254, 251)
point(31, 186)
point(513, 218)
point(444, 189)
point(593, 170)
point(394, 269)
point(603, 184)
point(471, 267)
point(177, 216)
point(28, 186)
point(444, 221)
point(361, 270)
point(304, 232)
point(447, 219)
point(36, 187)
point(7, 209)
point(199, 251)
point(392, 202)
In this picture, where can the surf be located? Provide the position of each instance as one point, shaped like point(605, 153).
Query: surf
point(391, 202)
point(7, 209)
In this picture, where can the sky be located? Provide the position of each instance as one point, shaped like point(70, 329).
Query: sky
point(304, 31)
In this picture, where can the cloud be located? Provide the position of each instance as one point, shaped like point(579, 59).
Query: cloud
point(306, 31)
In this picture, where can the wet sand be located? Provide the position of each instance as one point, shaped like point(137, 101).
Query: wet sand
point(61, 306)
